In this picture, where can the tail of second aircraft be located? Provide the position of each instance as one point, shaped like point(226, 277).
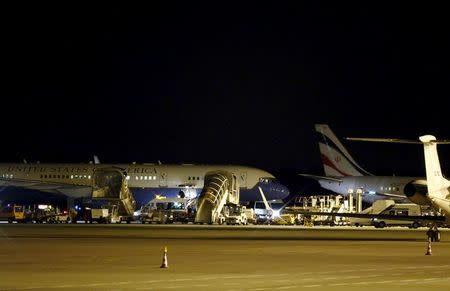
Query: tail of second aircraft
point(336, 160)
point(437, 184)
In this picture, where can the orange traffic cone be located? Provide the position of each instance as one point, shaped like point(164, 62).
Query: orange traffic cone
point(165, 264)
point(428, 253)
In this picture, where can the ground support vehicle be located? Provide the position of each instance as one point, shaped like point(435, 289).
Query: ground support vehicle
point(167, 210)
point(235, 214)
point(13, 213)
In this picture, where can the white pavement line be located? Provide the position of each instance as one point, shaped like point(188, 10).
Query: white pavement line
point(231, 283)
point(311, 286)
point(338, 284)
point(285, 287)
point(304, 279)
point(99, 284)
point(241, 276)
point(373, 276)
point(105, 284)
point(407, 280)
point(361, 283)
point(383, 282)
point(201, 285)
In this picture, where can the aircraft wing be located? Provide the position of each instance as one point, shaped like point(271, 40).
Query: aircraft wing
point(391, 195)
point(428, 218)
point(76, 191)
point(316, 177)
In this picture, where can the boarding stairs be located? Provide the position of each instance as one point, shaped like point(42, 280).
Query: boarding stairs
point(110, 185)
point(220, 188)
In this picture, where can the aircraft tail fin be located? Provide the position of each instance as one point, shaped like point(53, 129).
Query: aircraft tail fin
point(336, 160)
point(437, 184)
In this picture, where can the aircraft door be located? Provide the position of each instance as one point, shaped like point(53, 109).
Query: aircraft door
point(107, 183)
point(243, 179)
point(163, 179)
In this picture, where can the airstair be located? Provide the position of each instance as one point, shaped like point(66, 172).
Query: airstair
point(110, 185)
point(220, 188)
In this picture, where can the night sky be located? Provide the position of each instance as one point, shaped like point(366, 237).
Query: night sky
point(223, 83)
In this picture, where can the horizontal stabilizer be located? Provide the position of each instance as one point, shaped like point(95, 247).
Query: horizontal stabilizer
point(315, 177)
point(395, 140)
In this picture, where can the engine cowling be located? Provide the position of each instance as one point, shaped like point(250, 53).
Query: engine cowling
point(417, 192)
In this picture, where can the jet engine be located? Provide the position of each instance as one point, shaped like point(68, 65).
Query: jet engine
point(417, 191)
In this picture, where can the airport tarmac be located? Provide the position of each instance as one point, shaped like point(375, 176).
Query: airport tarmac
point(128, 257)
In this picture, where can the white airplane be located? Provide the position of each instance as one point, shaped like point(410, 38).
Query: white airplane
point(31, 182)
point(342, 173)
point(438, 194)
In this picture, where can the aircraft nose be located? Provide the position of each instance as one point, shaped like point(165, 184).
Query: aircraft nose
point(274, 190)
point(283, 189)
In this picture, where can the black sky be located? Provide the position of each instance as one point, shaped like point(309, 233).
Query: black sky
point(223, 83)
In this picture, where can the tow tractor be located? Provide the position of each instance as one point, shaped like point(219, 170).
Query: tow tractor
point(234, 214)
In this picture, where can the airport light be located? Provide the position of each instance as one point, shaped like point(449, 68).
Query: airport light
point(276, 213)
